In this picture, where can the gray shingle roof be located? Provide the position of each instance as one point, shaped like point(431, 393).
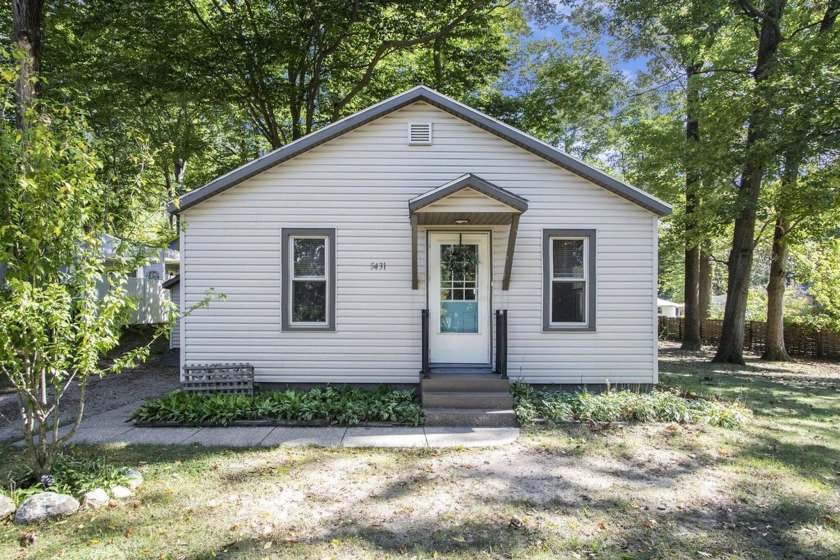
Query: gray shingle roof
point(424, 94)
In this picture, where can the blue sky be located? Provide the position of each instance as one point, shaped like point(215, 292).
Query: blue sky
point(630, 67)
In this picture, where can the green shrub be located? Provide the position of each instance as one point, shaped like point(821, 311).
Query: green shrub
point(71, 474)
point(77, 475)
point(336, 405)
point(531, 405)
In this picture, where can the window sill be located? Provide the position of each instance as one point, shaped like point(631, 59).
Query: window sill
point(568, 329)
point(290, 328)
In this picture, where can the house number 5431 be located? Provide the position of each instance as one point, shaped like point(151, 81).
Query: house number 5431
point(377, 266)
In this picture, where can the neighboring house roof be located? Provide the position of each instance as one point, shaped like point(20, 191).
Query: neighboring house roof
point(424, 94)
point(172, 282)
point(660, 302)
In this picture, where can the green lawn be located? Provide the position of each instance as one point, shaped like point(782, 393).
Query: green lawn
point(771, 489)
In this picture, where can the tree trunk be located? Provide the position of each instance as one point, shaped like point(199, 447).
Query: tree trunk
point(707, 269)
point(691, 332)
point(731, 347)
point(27, 17)
point(774, 350)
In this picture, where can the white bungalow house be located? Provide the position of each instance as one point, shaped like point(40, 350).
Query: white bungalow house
point(421, 238)
point(667, 308)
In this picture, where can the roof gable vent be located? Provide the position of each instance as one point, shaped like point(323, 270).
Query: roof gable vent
point(419, 134)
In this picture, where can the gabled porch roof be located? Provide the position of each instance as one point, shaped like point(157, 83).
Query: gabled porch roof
point(515, 202)
point(502, 208)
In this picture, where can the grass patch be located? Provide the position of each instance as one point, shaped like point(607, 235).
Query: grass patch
point(624, 490)
point(554, 407)
point(336, 405)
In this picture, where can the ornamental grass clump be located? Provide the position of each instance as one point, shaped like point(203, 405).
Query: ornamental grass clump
point(553, 407)
point(335, 405)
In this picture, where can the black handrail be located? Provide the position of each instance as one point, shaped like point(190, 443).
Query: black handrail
point(424, 321)
point(501, 343)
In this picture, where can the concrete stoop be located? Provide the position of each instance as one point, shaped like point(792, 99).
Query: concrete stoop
point(467, 399)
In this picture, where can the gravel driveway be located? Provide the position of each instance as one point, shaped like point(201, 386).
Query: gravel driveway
point(146, 381)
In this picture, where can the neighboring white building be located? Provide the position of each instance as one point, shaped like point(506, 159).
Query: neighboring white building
point(145, 283)
point(665, 308)
point(329, 250)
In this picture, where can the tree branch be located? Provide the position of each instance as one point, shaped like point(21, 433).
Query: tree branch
point(750, 9)
point(388, 46)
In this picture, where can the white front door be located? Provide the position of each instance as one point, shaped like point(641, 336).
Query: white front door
point(459, 298)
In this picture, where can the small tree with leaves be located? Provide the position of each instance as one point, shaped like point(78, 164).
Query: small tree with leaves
point(55, 322)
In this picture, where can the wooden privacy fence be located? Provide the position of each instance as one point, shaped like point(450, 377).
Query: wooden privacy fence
point(800, 341)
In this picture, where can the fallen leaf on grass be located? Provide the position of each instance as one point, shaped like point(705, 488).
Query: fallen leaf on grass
point(602, 526)
point(267, 545)
point(723, 453)
point(650, 523)
point(28, 538)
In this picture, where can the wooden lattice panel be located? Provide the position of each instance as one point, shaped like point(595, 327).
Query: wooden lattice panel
point(237, 379)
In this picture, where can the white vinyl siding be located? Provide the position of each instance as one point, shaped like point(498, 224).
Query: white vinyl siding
point(360, 184)
point(175, 331)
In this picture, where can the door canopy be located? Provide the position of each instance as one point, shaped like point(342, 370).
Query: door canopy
point(467, 201)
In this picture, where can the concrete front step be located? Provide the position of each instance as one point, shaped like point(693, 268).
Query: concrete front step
point(470, 417)
point(467, 399)
point(466, 382)
point(460, 370)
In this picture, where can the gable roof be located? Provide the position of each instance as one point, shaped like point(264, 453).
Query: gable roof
point(474, 182)
point(172, 282)
point(424, 94)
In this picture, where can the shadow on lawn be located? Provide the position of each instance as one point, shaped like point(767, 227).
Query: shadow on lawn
point(515, 523)
point(517, 528)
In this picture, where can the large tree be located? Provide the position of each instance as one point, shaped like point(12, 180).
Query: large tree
point(678, 39)
point(294, 66)
point(808, 136)
point(768, 23)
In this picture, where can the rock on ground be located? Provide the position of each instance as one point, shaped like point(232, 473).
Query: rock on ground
point(96, 499)
point(134, 477)
point(120, 492)
point(46, 504)
point(7, 506)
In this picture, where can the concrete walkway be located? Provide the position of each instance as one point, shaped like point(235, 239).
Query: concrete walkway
point(115, 427)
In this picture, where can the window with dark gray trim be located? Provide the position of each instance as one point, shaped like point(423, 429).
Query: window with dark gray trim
point(569, 279)
point(308, 257)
